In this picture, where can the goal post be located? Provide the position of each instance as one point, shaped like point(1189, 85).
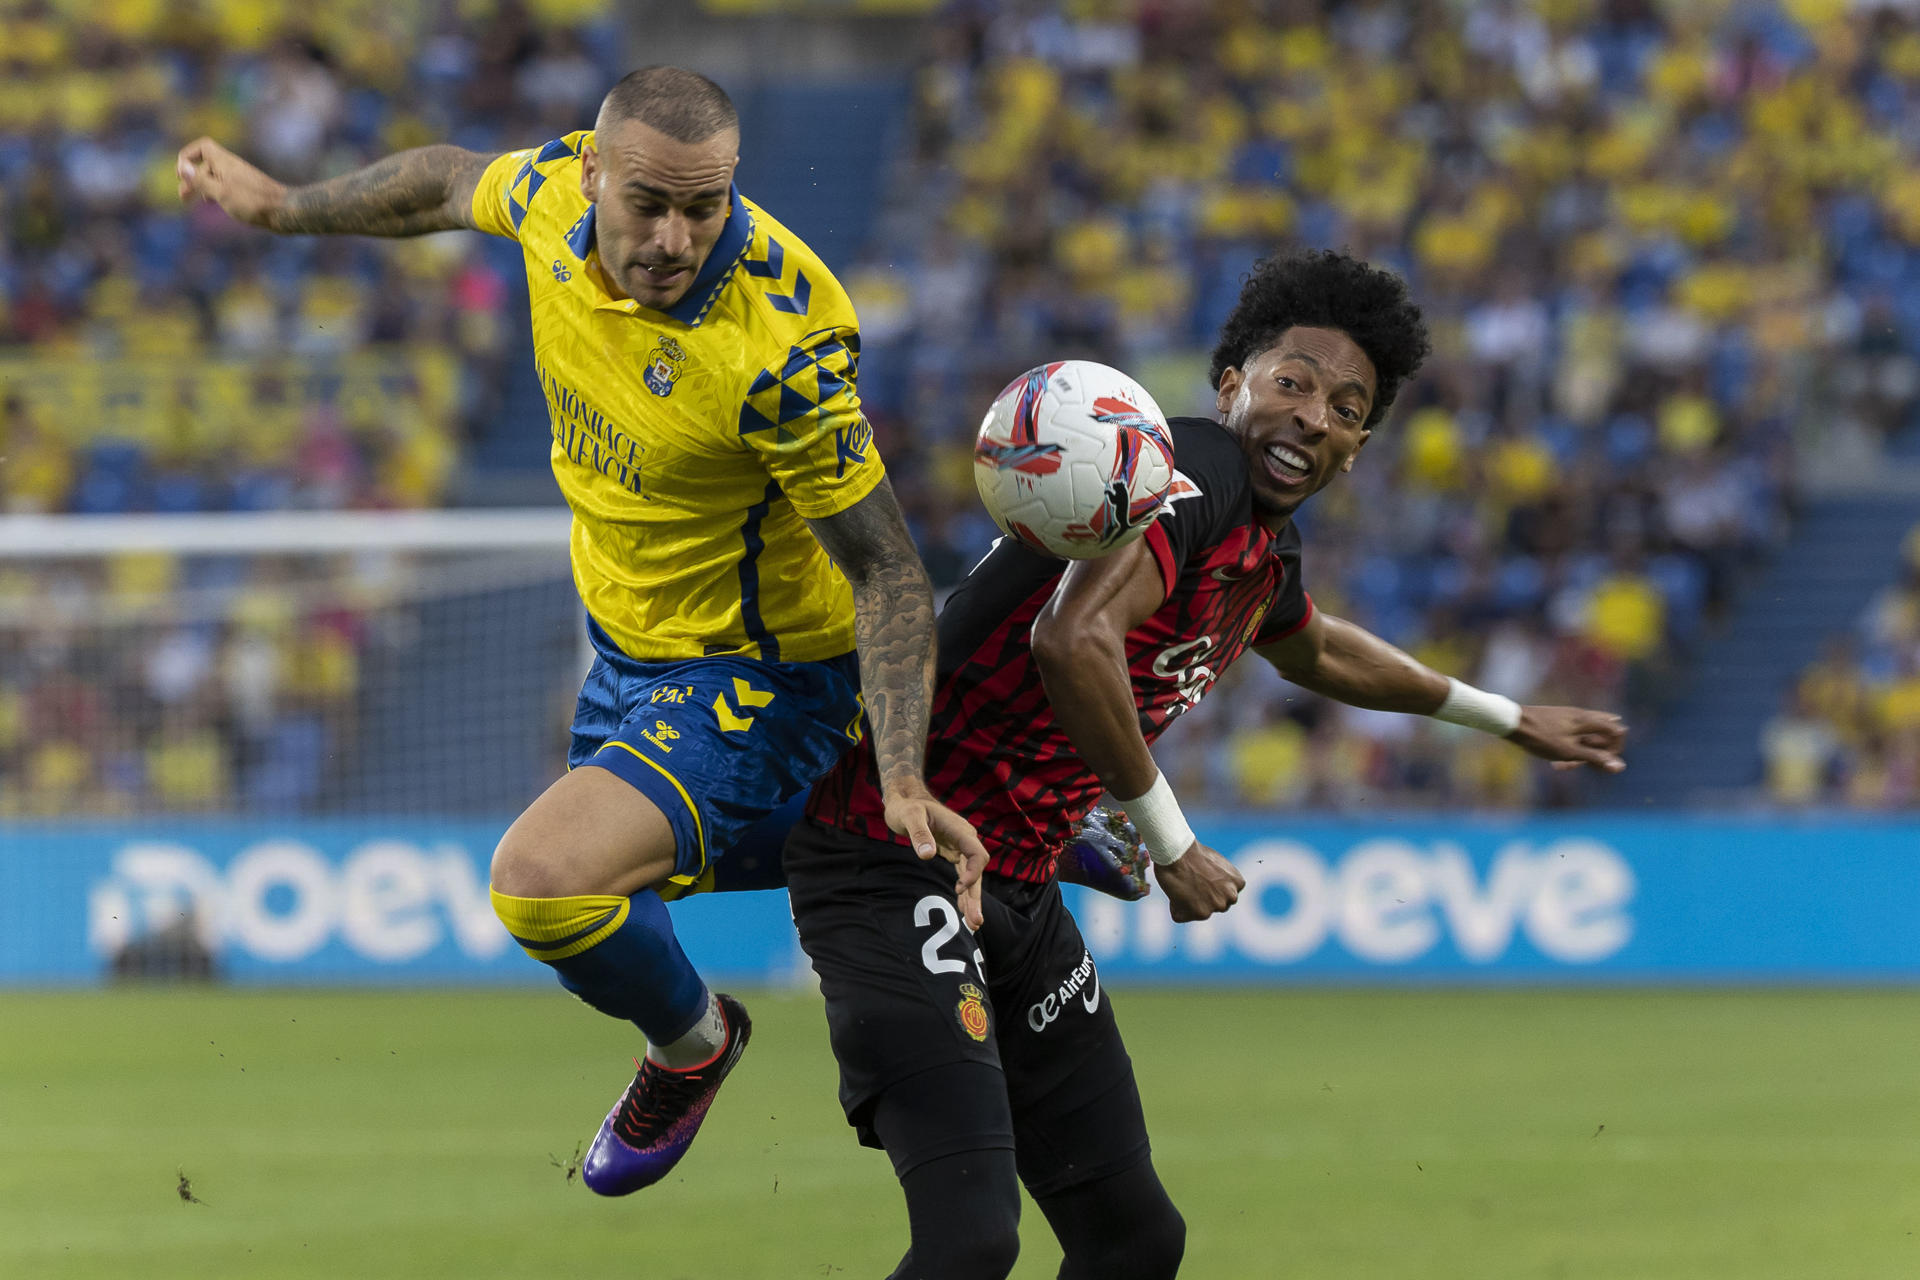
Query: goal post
point(285, 663)
point(43, 537)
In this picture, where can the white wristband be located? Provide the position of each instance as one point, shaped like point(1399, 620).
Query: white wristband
point(1163, 828)
point(1478, 709)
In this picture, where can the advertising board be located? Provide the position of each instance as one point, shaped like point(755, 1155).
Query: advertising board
point(1578, 899)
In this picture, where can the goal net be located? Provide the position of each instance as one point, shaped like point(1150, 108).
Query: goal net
point(284, 663)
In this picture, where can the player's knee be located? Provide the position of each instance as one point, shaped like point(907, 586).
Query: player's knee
point(984, 1248)
point(1120, 1229)
point(589, 833)
point(964, 1213)
point(1149, 1246)
point(521, 870)
point(1158, 1246)
point(999, 1238)
point(995, 1251)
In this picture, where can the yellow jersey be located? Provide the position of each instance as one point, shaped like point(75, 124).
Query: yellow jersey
point(693, 443)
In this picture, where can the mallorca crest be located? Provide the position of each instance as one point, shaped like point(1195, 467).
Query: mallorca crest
point(973, 1011)
point(664, 366)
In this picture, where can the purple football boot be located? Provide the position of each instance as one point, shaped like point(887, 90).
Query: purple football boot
point(1106, 855)
point(654, 1122)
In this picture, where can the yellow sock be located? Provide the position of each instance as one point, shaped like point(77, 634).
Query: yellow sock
point(552, 929)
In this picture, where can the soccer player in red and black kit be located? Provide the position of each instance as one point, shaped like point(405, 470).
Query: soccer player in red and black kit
point(983, 1060)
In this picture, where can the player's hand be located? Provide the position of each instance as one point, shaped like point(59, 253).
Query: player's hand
point(935, 830)
point(1572, 736)
point(208, 171)
point(1200, 884)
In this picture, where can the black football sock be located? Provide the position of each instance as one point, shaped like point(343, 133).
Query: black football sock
point(964, 1211)
point(1121, 1227)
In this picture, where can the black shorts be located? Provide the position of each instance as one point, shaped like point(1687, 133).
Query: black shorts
point(910, 990)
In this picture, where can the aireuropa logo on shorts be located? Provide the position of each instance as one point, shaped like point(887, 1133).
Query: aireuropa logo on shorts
point(1391, 901)
point(1082, 983)
point(282, 900)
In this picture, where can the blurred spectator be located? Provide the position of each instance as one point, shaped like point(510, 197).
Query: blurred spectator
point(1800, 752)
point(1851, 733)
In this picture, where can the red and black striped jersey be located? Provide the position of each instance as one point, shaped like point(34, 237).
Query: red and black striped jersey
point(995, 753)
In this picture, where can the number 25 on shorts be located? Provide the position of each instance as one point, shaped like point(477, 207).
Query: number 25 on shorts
point(972, 1008)
point(923, 913)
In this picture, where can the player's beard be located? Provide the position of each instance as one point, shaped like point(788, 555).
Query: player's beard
point(1272, 513)
point(635, 282)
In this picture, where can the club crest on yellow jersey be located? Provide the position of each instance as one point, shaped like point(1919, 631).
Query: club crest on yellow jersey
point(664, 366)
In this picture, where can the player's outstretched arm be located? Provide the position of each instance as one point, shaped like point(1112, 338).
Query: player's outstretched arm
point(1080, 648)
point(893, 632)
point(1350, 664)
point(407, 194)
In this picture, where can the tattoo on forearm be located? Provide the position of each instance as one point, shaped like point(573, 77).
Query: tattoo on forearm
point(408, 194)
point(893, 626)
point(893, 631)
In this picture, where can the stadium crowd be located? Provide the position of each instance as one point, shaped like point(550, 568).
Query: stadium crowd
point(146, 682)
point(1645, 233)
point(1848, 731)
point(151, 361)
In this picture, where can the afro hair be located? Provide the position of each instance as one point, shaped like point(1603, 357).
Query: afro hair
point(1327, 290)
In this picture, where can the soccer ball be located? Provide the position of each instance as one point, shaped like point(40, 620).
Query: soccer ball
point(1073, 459)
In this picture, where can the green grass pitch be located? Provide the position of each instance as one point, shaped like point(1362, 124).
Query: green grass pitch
point(1330, 1135)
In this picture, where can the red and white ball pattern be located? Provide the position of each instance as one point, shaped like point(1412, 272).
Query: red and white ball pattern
point(1073, 459)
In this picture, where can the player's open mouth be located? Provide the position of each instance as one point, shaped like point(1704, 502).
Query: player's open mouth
point(661, 277)
point(1287, 464)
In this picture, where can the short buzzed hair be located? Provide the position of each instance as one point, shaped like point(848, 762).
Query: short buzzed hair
point(684, 105)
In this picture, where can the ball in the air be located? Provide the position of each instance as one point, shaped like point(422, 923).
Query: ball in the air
point(1073, 459)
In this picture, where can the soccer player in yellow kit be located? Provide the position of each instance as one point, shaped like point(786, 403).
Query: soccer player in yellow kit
point(699, 364)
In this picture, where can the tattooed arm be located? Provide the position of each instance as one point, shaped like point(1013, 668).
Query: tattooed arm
point(408, 194)
point(893, 632)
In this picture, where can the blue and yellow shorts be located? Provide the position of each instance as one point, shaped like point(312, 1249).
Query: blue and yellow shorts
point(716, 743)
